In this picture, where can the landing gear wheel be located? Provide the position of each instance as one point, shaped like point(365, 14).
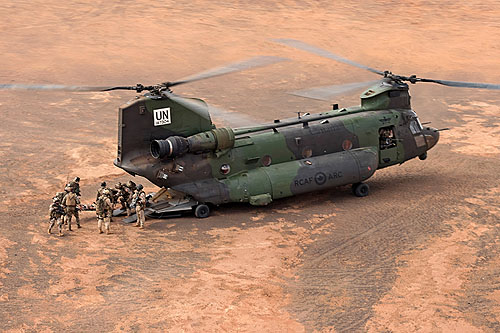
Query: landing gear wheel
point(423, 156)
point(202, 211)
point(360, 189)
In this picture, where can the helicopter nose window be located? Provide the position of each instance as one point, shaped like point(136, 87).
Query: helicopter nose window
point(386, 138)
point(415, 127)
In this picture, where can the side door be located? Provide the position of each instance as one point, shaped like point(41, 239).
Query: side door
point(389, 146)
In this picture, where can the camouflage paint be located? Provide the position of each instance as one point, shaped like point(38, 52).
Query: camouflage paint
point(271, 161)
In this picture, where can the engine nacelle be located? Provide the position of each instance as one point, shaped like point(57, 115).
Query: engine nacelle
point(174, 146)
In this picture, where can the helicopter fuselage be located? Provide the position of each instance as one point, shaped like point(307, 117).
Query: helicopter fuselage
point(263, 163)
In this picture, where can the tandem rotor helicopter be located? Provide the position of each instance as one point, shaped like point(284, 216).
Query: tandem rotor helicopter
point(171, 140)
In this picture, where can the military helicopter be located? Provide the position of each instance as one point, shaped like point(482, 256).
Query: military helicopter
point(172, 141)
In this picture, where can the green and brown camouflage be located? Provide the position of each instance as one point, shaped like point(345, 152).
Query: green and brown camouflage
point(172, 141)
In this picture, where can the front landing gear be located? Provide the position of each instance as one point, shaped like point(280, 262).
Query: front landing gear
point(360, 189)
point(202, 211)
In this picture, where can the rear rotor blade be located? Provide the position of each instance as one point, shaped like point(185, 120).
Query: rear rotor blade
point(325, 93)
point(324, 53)
point(53, 87)
point(231, 68)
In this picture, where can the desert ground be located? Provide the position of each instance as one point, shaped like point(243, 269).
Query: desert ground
point(420, 253)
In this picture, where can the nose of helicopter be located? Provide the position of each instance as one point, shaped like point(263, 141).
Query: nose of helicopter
point(432, 136)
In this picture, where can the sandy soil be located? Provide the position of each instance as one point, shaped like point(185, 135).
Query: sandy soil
point(419, 254)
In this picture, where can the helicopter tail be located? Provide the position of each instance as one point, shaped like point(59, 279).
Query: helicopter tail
point(155, 117)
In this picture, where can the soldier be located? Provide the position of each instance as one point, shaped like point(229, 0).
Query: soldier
point(122, 196)
point(104, 210)
point(60, 196)
point(131, 185)
point(100, 190)
point(140, 204)
point(70, 201)
point(75, 186)
point(55, 213)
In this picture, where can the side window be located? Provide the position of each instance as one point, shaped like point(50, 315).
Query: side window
point(387, 139)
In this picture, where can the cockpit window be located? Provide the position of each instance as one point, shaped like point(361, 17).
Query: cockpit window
point(415, 126)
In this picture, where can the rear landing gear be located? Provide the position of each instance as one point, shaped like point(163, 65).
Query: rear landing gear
point(423, 156)
point(360, 189)
point(202, 211)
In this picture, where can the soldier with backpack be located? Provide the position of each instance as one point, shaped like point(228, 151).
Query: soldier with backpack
point(70, 201)
point(56, 211)
point(104, 210)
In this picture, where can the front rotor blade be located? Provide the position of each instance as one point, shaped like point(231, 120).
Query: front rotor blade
point(52, 87)
point(325, 93)
point(463, 84)
point(231, 68)
point(324, 53)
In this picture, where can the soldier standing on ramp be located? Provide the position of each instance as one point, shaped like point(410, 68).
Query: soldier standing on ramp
point(130, 187)
point(122, 195)
point(70, 201)
point(140, 205)
point(55, 213)
point(104, 210)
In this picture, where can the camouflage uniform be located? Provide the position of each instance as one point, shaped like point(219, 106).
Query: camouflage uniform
point(70, 201)
point(130, 187)
point(60, 196)
point(122, 196)
point(55, 213)
point(140, 205)
point(100, 190)
point(74, 185)
point(104, 210)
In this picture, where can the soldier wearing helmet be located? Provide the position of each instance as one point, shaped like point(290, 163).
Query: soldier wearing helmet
point(122, 196)
point(100, 190)
point(74, 185)
point(130, 187)
point(104, 210)
point(70, 201)
point(140, 204)
point(56, 211)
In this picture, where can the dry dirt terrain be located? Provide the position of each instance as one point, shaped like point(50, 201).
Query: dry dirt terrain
point(421, 253)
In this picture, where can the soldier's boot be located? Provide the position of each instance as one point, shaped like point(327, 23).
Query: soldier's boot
point(128, 211)
point(49, 231)
point(100, 231)
point(78, 222)
point(137, 224)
